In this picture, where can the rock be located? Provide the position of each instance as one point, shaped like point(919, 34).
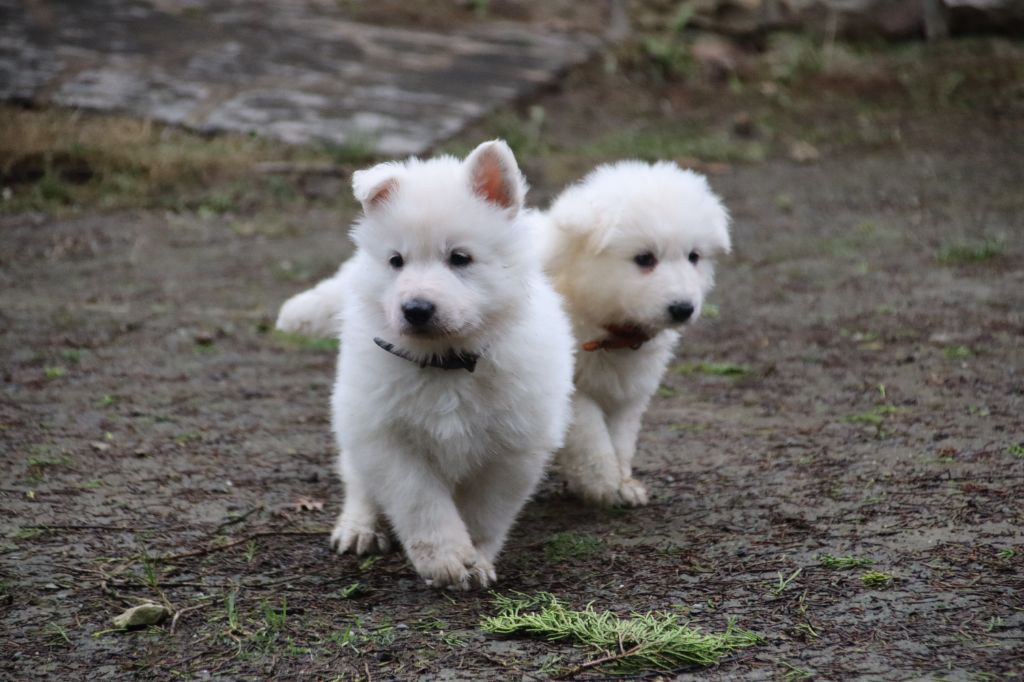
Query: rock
point(996, 16)
point(141, 616)
point(717, 57)
point(803, 152)
point(743, 125)
point(295, 71)
point(888, 18)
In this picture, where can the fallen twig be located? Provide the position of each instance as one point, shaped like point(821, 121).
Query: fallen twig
point(235, 543)
point(598, 661)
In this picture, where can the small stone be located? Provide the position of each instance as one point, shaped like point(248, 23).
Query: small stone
point(743, 124)
point(717, 56)
point(141, 616)
point(803, 152)
point(100, 446)
point(204, 338)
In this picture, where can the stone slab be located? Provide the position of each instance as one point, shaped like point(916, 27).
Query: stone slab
point(296, 70)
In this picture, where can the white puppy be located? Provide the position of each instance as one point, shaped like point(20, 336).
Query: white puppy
point(631, 249)
point(455, 368)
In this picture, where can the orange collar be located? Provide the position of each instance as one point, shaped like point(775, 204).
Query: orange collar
point(620, 336)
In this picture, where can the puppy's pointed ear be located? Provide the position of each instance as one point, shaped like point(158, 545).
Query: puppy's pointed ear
point(494, 176)
point(373, 187)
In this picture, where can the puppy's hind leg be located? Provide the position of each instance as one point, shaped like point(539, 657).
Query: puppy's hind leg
point(588, 461)
point(491, 501)
point(358, 526)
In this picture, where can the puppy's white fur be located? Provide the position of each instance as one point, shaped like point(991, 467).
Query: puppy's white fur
point(315, 312)
point(596, 229)
point(448, 457)
point(589, 240)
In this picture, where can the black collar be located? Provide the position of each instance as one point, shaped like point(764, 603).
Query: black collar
point(450, 360)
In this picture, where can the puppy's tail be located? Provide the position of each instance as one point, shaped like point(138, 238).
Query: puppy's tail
point(316, 311)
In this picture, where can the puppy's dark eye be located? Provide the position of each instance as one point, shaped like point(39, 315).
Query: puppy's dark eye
point(694, 257)
point(646, 260)
point(396, 261)
point(459, 259)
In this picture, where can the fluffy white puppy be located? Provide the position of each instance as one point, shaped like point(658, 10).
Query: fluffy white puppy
point(631, 250)
point(455, 367)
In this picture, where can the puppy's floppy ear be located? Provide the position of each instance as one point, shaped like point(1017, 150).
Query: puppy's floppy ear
point(494, 175)
point(373, 187)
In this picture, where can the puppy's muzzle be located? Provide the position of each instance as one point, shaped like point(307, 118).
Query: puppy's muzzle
point(680, 311)
point(418, 312)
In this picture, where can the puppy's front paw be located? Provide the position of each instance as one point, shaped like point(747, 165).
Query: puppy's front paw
point(361, 538)
point(455, 569)
point(627, 493)
point(306, 313)
point(633, 493)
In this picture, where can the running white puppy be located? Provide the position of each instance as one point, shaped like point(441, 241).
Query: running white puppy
point(631, 250)
point(455, 368)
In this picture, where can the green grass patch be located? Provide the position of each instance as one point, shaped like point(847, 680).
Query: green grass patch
point(571, 545)
point(57, 634)
point(28, 533)
point(793, 673)
point(957, 353)
point(843, 563)
point(57, 160)
point(1017, 450)
point(38, 466)
point(354, 590)
point(654, 144)
point(54, 372)
point(719, 369)
point(876, 579)
point(71, 355)
point(874, 416)
point(783, 582)
point(642, 642)
point(967, 253)
point(305, 342)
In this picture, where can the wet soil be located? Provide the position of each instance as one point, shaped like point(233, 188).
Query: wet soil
point(160, 443)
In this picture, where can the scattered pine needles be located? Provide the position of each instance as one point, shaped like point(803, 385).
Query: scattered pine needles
point(651, 641)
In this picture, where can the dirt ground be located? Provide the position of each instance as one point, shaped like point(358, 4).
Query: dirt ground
point(860, 392)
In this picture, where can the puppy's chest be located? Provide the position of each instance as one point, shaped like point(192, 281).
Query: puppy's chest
point(460, 421)
point(615, 378)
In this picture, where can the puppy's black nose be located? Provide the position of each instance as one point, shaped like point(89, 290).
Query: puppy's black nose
point(418, 311)
point(680, 311)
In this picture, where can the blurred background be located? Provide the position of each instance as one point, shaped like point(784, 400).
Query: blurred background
point(172, 170)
